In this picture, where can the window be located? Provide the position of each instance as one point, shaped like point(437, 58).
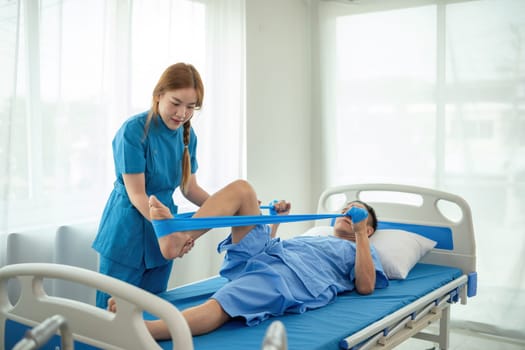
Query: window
point(75, 70)
point(432, 94)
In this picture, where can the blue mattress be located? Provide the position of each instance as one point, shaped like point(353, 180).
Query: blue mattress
point(315, 329)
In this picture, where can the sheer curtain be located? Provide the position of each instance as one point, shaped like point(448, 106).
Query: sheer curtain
point(72, 71)
point(433, 94)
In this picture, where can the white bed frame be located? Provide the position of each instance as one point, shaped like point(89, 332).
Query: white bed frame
point(126, 330)
point(87, 323)
point(420, 206)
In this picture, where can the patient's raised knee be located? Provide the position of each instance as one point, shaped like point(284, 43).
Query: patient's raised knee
point(244, 189)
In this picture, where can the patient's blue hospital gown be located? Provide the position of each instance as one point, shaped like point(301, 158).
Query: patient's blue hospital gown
point(269, 277)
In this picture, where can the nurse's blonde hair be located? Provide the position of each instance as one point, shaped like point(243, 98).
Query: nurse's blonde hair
point(178, 76)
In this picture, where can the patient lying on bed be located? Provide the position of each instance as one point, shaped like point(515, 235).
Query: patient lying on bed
point(269, 276)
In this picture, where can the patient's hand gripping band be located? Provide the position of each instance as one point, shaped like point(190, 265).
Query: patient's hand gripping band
point(271, 207)
point(357, 214)
point(183, 222)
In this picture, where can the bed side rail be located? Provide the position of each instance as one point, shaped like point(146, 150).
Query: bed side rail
point(391, 330)
point(124, 329)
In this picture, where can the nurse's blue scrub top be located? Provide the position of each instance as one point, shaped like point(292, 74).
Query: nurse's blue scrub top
point(124, 235)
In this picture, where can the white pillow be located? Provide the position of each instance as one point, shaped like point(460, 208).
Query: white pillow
point(400, 250)
point(319, 231)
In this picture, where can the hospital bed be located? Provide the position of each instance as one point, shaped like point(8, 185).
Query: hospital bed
point(445, 275)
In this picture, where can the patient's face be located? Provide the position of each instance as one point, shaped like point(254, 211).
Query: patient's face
point(343, 225)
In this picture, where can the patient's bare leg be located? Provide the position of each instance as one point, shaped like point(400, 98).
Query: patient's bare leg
point(237, 198)
point(201, 319)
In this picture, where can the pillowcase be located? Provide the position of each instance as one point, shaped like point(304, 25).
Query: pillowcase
point(398, 250)
point(319, 231)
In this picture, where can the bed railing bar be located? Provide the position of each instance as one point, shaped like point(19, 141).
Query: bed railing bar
point(444, 301)
point(40, 335)
point(430, 308)
point(423, 312)
point(442, 337)
point(383, 339)
point(404, 333)
point(380, 325)
point(399, 326)
point(433, 307)
point(366, 345)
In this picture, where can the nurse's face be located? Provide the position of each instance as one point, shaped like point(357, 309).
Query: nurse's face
point(177, 106)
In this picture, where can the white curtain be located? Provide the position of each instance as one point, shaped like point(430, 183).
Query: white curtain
point(72, 71)
point(432, 93)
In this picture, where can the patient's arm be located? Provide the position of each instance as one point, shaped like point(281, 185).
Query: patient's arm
point(281, 208)
point(365, 274)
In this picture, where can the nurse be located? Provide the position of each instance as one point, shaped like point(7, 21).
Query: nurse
point(154, 153)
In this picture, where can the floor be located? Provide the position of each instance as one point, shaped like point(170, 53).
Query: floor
point(466, 340)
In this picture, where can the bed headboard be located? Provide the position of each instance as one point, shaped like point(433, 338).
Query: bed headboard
point(441, 216)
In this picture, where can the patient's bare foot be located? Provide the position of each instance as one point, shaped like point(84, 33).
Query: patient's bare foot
point(112, 305)
point(157, 328)
point(176, 244)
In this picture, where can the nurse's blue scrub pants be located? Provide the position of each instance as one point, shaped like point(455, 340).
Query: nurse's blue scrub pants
point(153, 280)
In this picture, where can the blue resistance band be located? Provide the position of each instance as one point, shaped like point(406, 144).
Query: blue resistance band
point(184, 222)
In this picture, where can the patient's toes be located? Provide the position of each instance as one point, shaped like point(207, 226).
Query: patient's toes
point(112, 305)
point(175, 245)
point(187, 247)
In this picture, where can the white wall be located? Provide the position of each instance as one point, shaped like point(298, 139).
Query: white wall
point(283, 152)
point(283, 138)
point(280, 106)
